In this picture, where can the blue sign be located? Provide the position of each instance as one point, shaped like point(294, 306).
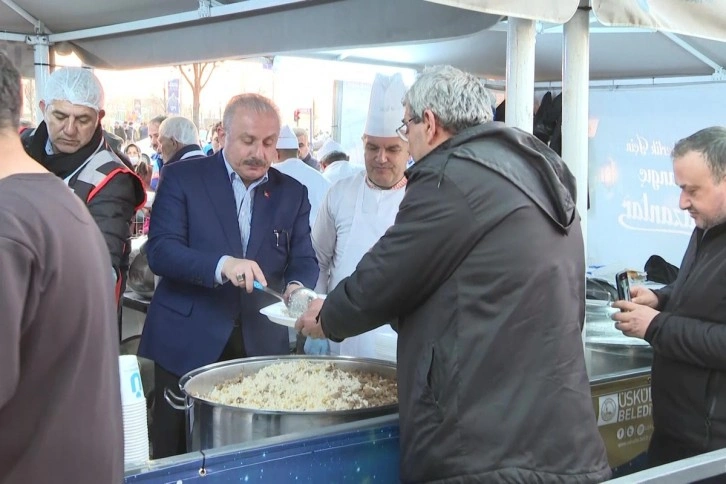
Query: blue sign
point(173, 103)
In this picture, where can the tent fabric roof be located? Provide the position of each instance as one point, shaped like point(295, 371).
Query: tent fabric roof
point(247, 28)
point(408, 33)
point(634, 54)
point(704, 19)
point(558, 11)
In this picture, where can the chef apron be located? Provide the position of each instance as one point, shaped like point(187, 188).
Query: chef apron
point(375, 212)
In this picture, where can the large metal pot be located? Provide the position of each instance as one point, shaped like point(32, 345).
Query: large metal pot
point(140, 278)
point(212, 425)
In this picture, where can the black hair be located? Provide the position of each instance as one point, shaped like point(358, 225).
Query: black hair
point(711, 143)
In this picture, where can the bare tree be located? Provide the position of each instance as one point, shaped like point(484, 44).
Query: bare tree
point(29, 92)
point(196, 80)
point(155, 105)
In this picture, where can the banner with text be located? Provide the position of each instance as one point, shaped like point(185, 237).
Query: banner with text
point(173, 101)
point(633, 195)
point(624, 412)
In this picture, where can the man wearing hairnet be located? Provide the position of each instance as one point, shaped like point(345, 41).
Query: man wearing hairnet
point(70, 144)
point(179, 140)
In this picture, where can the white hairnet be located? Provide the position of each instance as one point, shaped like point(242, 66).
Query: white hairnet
point(330, 146)
point(76, 85)
point(181, 129)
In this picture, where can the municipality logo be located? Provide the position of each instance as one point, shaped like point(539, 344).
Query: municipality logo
point(608, 406)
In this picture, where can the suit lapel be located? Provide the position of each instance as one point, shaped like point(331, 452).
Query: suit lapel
point(262, 214)
point(219, 189)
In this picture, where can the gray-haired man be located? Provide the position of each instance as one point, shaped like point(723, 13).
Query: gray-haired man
point(179, 140)
point(484, 274)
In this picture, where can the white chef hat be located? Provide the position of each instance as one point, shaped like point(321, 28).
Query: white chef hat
point(385, 110)
point(287, 139)
point(328, 147)
point(75, 85)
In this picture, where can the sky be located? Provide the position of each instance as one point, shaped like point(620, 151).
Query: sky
point(292, 82)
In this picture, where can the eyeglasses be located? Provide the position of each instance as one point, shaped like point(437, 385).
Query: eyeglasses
point(403, 129)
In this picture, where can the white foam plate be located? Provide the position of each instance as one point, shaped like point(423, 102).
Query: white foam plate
point(596, 303)
point(277, 313)
point(616, 340)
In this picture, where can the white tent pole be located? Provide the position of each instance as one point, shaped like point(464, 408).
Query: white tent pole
point(519, 107)
point(575, 105)
point(41, 57)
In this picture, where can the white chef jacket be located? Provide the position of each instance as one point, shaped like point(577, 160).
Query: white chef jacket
point(341, 169)
point(351, 220)
point(313, 180)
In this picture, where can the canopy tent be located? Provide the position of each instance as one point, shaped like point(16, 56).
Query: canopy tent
point(141, 33)
point(618, 39)
point(615, 53)
point(624, 41)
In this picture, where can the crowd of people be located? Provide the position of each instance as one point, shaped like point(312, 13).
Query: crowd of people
point(449, 237)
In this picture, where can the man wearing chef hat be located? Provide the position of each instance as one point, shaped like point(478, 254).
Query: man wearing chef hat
point(359, 209)
point(334, 162)
point(291, 165)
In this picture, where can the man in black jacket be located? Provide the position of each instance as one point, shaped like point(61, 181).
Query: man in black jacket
point(483, 273)
point(685, 322)
point(70, 143)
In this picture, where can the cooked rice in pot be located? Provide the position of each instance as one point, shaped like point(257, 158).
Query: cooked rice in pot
point(305, 386)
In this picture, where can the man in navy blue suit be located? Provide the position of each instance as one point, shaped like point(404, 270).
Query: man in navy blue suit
point(219, 224)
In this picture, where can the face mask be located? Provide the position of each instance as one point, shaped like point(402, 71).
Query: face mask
point(134, 159)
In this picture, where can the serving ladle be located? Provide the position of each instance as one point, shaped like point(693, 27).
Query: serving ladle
point(298, 301)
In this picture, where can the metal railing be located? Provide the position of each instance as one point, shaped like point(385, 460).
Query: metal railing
point(683, 471)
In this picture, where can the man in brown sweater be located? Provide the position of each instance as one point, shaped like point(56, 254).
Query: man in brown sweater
point(60, 404)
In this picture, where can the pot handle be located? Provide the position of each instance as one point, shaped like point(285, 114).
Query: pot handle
point(173, 400)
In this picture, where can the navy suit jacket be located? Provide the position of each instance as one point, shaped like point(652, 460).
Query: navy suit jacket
point(194, 223)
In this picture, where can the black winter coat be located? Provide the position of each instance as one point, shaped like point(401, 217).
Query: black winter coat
point(483, 271)
point(689, 343)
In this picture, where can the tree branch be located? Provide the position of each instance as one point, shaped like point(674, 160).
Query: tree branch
point(214, 66)
point(189, 81)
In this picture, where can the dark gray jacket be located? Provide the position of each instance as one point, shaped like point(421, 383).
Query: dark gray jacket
point(484, 272)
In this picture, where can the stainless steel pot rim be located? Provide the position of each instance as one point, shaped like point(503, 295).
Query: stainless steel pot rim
point(320, 358)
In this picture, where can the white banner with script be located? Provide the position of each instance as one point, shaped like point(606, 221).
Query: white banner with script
point(633, 197)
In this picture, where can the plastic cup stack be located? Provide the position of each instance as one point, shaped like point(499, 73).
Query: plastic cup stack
point(385, 345)
point(133, 402)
